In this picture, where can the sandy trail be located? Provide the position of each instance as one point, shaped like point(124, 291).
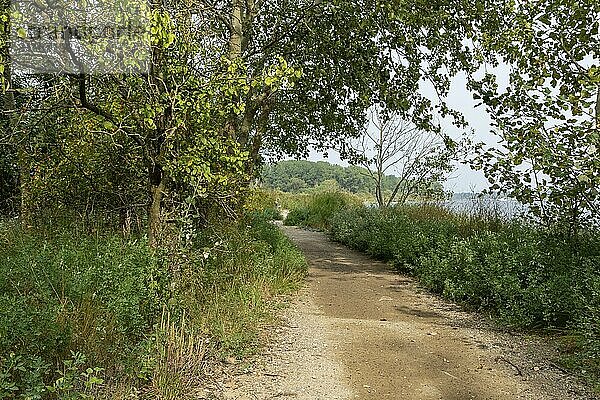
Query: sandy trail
point(360, 331)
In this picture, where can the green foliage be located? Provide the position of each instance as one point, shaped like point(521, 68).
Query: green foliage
point(292, 201)
point(264, 204)
point(272, 214)
point(382, 61)
point(192, 133)
point(548, 118)
point(230, 283)
point(320, 209)
point(64, 291)
point(75, 169)
point(9, 188)
point(306, 177)
point(23, 375)
point(297, 176)
point(92, 304)
point(53, 285)
point(297, 217)
point(75, 380)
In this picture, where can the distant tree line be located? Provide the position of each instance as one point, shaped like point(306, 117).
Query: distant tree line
point(298, 175)
point(295, 176)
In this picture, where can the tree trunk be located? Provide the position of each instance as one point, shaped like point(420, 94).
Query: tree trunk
point(598, 109)
point(394, 193)
point(232, 128)
point(157, 182)
point(379, 192)
point(236, 36)
point(8, 112)
point(156, 175)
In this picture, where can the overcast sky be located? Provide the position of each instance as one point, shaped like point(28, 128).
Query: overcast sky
point(464, 179)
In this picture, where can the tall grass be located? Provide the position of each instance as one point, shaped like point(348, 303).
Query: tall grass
point(101, 315)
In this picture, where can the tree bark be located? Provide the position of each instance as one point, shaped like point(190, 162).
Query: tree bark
point(8, 113)
point(236, 35)
point(157, 180)
point(379, 194)
point(598, 108)
point(155, 141)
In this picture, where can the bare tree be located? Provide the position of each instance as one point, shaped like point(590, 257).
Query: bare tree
point(390, 145)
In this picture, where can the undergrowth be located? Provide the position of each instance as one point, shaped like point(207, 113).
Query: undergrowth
point(525, 277)
point(320, 208)
point(103, 316)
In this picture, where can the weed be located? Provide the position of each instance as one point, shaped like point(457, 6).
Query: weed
point(175, 364)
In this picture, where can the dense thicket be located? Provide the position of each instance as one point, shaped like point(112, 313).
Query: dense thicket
point(227, 81)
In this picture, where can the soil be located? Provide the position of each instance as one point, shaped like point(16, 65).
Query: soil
point(359, 330)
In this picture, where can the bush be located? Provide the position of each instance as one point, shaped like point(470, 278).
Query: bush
point(271, 214)
point(320, 210)
point(230, 286)
point(297, 217)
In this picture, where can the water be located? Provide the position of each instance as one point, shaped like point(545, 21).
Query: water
point(486, 205)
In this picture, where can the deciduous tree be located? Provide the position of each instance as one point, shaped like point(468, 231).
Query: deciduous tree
point(548, 116)
point(391, 145)
point(231, 80)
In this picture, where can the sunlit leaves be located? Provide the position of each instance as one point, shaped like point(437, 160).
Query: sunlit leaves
point(162, 29)
point(546, 116)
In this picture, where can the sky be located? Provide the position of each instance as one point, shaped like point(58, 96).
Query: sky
point(463, 179)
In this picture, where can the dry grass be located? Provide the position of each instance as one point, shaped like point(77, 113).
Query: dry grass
point(180, 361)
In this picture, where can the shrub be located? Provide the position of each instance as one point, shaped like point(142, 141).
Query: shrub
point(264, 204)
point(297, 217)
point(64, 293)
point(320, 210)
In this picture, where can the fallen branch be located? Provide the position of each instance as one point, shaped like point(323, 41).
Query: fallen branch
point(511, 364)
point(450, 375)
point(558, 367)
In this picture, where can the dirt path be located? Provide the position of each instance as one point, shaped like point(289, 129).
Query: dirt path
point(360, 331)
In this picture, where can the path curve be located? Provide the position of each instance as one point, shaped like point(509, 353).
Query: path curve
point(361, 331)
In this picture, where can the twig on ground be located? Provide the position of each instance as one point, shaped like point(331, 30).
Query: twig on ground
point(510, 363)
point(450, 375)
point(558, 367)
